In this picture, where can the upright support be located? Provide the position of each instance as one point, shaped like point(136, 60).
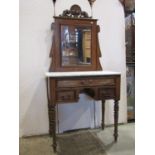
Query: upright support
point(49, 103)
point(53, 126)
point(116, 109)
point(103, 113)
point(50, 119)
point(52, 112)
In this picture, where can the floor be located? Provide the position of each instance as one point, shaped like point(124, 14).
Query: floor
point(125, 146)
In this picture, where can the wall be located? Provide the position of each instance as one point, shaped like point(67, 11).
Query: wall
point(35, 41)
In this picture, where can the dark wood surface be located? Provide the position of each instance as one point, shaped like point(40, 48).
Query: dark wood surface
point(67, 90)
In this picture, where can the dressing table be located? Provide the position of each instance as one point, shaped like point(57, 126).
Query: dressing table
point(75, 66)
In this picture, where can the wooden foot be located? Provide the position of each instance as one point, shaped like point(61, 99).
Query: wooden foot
point(116, 109)
point(103, 113)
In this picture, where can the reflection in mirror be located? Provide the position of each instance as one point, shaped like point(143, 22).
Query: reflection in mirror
point(75, 45)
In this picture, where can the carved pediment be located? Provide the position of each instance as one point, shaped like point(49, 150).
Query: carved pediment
point(75, 12)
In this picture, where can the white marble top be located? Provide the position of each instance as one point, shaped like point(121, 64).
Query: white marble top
point(81, 73)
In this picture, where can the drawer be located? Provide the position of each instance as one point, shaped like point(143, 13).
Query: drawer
point(85, 82)
point(66, 95)
point(107, 93)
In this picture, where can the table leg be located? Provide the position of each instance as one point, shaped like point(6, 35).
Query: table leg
point(103, 113)
point(53, 126)
point(50, 119)
point(116, 109)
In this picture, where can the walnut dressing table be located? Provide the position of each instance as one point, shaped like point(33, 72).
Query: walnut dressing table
point(75, 66)
point(66, 87)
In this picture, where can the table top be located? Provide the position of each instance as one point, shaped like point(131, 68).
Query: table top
point(81, 73)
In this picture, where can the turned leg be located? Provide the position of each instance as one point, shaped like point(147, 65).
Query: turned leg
point(50, 119)
point(103, 113)
point(53, 126)
point(49, 107)
point(116, 108)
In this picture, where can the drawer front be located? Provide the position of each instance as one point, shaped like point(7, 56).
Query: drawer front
point(85, 82)
point(107, 93)
point(69, 96)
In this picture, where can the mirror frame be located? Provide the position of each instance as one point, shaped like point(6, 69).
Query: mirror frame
point(75, 20)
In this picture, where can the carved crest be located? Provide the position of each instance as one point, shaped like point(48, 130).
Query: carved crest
point(75, 12)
